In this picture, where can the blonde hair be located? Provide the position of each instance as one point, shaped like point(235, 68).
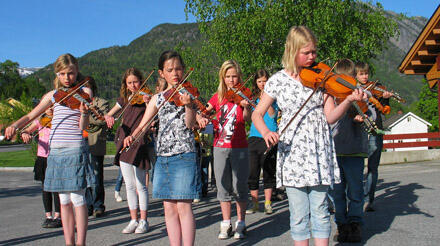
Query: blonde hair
point(124, 92)
point(63, 62)
point(161, 84)
point(297, 38)
point(346, 67)
point(222, 88)
point(362, 67)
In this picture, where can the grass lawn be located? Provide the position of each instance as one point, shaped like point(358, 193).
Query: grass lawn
point(25, 158)
point(22, 158)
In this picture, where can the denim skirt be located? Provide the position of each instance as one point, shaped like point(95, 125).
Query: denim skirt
point(69, 169)
point(177, 177)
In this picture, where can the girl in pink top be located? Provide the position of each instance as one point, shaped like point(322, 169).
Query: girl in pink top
point(53, 220)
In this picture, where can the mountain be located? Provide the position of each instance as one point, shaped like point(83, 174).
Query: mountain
point(108, 64)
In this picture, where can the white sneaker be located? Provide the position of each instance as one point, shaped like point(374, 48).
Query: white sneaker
point(142, 227)
point(118, 196)
point(240, 230)
point(225, 231)
point(131, 227)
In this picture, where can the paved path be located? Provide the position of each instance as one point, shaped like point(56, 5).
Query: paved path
point(14, 147)
point(407, 214)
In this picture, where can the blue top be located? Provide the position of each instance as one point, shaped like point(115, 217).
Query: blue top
point(271, 122)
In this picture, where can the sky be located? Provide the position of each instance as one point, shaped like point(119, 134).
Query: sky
point(35, 32)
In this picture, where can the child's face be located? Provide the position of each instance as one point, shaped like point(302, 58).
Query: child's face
point(133, 83)
point(67, 76)
point(306, 55)
point(231, 77)
point(261, 82)
point(362, 76)
point(172, 71)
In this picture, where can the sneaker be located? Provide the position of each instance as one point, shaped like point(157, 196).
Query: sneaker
point(196, 201)
point(131, 227)
point(225, 231)
point(142, 227)
point(342, 233)
point(118, 196)
point(355, 235)
point(240, 230)
point(46, 223)
point(55, 223)
point(98, 213)
point(268, 207)
point(253, 210)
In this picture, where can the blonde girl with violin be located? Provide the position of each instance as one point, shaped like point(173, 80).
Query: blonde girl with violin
point(43, 126)
point(135, 163)
point(176, 177)
point(68, 167)
point(306, 160)
point(231, 162)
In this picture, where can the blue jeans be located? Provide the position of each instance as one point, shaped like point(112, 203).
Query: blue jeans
point(204, 173)
point(375, 144)
point(95, 195)
point(309, 204)
point(348, 195)
point(119, 180)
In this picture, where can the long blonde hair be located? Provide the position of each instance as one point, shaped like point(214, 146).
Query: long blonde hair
point(298, 37)
point(124, 92)
point(63, 62)
point(222, 88)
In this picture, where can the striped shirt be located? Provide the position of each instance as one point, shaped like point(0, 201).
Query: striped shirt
point(65, 130)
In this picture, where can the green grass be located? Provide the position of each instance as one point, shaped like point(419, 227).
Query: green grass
point(22, 158)
point(25, 158)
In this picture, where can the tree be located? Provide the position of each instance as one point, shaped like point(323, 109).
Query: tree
point(254, 31)
point(427, 106)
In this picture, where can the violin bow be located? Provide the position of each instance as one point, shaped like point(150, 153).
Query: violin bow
point(134, 96)
point(148, 123)
point(327, 75)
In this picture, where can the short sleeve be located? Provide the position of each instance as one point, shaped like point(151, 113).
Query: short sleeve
point(214, 100)
point(270, 88)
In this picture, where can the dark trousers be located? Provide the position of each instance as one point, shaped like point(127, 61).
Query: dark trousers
point(205, 173)
point(95, 195)
point(374, 153)
point(47, 201)
point(257, 160)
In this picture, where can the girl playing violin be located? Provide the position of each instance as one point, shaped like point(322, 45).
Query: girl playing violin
point(231, 164)
point(306, 162)
point(257, 158)
point(176, 177)
point(43, 126)
point(68, 168)
point(135, 163)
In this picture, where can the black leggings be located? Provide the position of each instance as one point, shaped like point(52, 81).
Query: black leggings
point(47, 201)
point(258, 160)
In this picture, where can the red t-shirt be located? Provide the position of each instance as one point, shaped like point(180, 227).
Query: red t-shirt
point(229, 128)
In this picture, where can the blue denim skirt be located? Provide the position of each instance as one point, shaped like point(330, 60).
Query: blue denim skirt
point(177, 177)
point(69, 169)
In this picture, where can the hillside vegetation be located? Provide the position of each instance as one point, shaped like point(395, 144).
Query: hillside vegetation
point(108, 64)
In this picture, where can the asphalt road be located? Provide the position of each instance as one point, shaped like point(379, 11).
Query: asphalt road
point(407, 214)
point(15, 147)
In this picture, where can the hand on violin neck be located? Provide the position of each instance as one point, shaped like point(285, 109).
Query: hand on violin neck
point(357, 95)
point(84, 109)
point(358, 118)
point(186, 99)
point(387, 94)
point(146, 98)
point(244, 104)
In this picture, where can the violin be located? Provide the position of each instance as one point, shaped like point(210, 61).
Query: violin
point(239, 93)
point(338, 85)
point(74, 96)
point(46, 121)
point(378, 90)
point(138, 98)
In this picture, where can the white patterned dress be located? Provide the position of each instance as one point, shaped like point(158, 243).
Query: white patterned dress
point(306, 152)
